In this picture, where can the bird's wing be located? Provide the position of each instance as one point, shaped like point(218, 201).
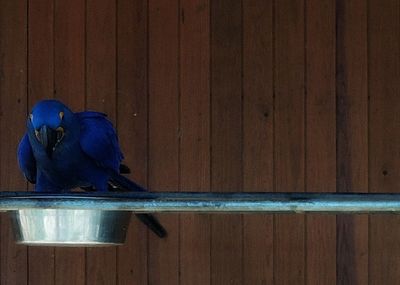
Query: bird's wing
point(26, 160)
point(99, 140)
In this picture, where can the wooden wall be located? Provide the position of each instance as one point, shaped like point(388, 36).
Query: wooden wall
point(218, 95)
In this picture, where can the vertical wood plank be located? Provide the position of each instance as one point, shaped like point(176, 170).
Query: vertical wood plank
point(40, 86)
point(352, 137)
point(101, 96)
point(132, 127)
point(195, 136)
point(164, 133)
point(69, 51)
point(101, 56)
point(69, 84)
point(41, 272)
point(384, 167)
point(320, 137)
point(226, 137)
point(258, 136)
point(289, 239)
point(13, 111)
point(41, 50)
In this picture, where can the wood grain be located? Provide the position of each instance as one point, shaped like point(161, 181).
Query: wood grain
point(13, 110)
point(101, 96)
point(226, 138)
point(287, 95)
point(320, 137)
point(69, 52)
point(69, 84)
point(41, 51)
point(132, 127)
point(352, 137)
point(40, 86)
point(289, 239)
point(258, 114)
point(164, 133)
point(384, 141)
point(101, 56)
point(194, 251)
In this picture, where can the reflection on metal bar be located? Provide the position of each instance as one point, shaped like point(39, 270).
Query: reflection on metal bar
point(206, 202)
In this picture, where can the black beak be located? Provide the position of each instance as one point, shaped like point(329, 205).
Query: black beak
point(48, 138)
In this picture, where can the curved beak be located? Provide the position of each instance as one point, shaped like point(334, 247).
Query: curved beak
point(48, 138)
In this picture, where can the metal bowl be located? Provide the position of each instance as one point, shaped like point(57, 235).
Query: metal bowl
point(65, 227)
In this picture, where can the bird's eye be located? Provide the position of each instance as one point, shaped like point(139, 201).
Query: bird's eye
point(31, 117)
point(61, 115)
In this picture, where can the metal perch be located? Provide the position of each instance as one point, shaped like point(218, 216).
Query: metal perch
point(99, 219)
point(196, 202)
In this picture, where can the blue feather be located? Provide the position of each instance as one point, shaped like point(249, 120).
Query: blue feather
point(63, 150)
point(26, 160)
point(99, 140)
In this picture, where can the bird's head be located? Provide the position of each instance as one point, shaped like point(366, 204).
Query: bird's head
point(50, 121)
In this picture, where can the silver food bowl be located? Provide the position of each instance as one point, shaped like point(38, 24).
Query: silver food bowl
point(67, 227)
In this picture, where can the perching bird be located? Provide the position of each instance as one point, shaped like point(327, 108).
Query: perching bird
point(62, 150)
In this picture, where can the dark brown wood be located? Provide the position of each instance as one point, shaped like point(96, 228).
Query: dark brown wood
point(384, 139)
point(69, 84)
point(320, 137)
point(226, 137)
point(258, 114)
point(101, 56)
point(101, 96)
point(163, 266)
point(13, 109)
point(41, 51)
point(287, 95)
point(352, 137)
point(289, 239)
point(132, 127)
point(69, 52)
point(194, 136)
point(42, 272)
point(40, 86)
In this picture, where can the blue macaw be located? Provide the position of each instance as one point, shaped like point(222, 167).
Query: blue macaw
point(62, 150)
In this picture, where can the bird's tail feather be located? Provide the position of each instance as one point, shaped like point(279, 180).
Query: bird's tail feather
point(153, 224)
point(123, 183)
point(123, 169)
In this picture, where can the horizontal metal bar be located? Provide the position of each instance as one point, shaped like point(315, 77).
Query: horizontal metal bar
point(206, 202)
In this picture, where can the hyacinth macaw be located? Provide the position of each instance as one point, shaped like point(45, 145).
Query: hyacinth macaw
point(62, 150)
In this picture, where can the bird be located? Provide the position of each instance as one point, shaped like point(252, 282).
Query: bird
point(62, 150)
